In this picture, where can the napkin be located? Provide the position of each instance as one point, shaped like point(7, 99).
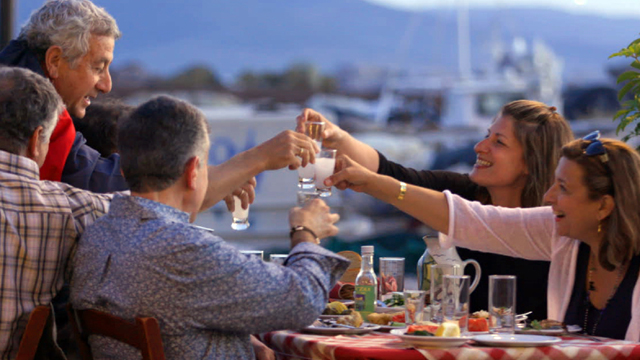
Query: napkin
point(342, 290)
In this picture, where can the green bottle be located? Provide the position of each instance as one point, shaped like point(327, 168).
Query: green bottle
point(366, 292)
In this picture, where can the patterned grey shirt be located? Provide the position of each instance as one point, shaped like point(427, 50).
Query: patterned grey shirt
point(40, 222)
point(144, 259)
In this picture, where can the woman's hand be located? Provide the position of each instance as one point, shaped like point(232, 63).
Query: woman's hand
point(333, 135)
point(351, 175)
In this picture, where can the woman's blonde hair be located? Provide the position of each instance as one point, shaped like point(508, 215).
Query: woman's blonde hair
point(617, 174)
point(542, 132)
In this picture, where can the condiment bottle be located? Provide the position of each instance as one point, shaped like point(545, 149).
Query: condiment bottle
point(366, 291)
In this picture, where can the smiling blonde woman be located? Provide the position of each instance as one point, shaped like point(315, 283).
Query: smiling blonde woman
point(514, 167)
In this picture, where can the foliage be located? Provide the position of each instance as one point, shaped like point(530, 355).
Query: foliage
point(197, 77)
point(630, 112)
point(299, 76)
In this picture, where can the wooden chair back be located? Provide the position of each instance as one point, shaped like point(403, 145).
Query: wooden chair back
point(33, 332)
point(144, 334)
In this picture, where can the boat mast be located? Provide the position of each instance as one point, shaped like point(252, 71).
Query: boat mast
point(464, 42)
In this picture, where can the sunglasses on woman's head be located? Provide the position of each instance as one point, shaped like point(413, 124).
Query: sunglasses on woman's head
point(596, 147)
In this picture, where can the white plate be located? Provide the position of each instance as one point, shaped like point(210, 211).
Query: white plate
point(320, 330)
point(515, 340)
point(386, 310)
point(429, 341)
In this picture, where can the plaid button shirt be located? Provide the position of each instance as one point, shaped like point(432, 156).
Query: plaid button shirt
point(40, 222)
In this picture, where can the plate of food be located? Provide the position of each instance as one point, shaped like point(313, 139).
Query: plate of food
point(393, 304)
point(547, 327)
point(349, 324)
point(389, 321)
point(344, 301)
point(515, 340)
point(331, 317)
point(390, 326)
point(335, 310)
point(338, 329)
point(414, 336)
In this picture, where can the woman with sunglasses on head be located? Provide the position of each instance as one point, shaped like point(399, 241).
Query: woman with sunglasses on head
point(514, 167)
point(590, 233)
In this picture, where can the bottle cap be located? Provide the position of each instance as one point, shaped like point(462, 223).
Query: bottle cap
point(367, 249)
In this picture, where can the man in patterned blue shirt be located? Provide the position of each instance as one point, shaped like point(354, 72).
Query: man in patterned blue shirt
point(145, 259)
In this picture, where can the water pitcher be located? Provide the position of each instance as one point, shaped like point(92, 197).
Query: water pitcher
point(435, 254)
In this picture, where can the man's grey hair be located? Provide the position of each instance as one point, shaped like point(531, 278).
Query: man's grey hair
point(68, 24)
point(27, 101)
point(157, 140)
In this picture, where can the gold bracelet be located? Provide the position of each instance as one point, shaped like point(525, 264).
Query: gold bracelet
point(403, 190)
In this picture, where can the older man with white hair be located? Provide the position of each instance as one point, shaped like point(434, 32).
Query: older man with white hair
point(71, 43)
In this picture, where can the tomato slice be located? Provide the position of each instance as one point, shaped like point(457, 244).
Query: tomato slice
point(480, 324)
point(432, 328)
point(398, 318)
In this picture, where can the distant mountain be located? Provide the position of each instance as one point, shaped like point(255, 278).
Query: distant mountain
point(232, 35)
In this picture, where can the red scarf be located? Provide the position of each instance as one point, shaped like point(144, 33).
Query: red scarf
point(59, 147)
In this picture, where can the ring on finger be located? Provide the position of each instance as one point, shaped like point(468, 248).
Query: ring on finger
point(301, 151)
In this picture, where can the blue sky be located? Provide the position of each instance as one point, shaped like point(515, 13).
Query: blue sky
point(615, 8)
point(167, 36)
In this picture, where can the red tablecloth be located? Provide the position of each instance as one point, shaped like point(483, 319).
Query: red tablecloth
point(292, 345)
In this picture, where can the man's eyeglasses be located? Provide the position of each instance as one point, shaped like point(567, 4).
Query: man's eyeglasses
point(596, 147)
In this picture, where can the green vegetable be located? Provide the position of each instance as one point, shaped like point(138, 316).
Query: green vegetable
point(395, 300)
point(420, 333)
point(535, 325)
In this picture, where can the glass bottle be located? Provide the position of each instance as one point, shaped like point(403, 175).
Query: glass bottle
point(366, 291)
point(424, 268)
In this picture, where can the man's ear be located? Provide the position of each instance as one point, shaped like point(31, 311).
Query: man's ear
point(33, 147)
point(191, 172)
point(52, 61)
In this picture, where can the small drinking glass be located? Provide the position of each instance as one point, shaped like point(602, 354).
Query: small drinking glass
point(436, 273)
point(414, 306)
point(306, 177)
point(502, 304)
point(240, 215)
point(325, 164)
point(278, 258)
point(303, 197)
point(455, 300)
point(315, 130)
point(257, 253)
point(391, 276)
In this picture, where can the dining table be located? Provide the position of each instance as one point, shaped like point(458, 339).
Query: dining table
point(289, 345)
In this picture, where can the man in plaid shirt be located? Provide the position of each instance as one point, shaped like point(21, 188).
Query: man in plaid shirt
point(40, 221)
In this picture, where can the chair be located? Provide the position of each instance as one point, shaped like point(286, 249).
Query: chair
point(144, 334)
point(33, 332)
